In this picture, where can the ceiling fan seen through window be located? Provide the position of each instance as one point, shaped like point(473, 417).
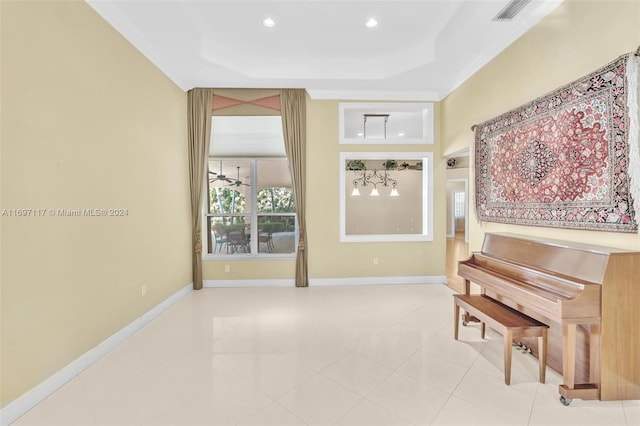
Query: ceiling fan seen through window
point(222, 177)
point(238, 182)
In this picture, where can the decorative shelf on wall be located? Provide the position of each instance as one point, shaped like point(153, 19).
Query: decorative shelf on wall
point(385, 123)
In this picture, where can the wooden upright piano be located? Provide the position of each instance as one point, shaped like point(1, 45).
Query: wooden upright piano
point(588, 296)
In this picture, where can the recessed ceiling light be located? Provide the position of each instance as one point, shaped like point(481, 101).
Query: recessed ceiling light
point(400, 134)
point(269, 22)
point(371, 23)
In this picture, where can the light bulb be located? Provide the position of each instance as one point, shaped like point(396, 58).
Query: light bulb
point(355, 192)
point(374, 192)
point(394, 192)
point(269, 22)
point(371, 23)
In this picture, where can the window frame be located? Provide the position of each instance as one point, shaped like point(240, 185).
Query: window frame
point(426, 196)
point(253, 215)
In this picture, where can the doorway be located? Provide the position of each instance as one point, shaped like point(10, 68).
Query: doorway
point(457, 250)
point(457, 230)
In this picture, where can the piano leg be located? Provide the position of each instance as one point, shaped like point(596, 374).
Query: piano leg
point(569, 389)
point(594, 353)
point(569, 355)
point(568, 363)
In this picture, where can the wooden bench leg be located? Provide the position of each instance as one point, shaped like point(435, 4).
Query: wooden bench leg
point(482, 329)
point(508, 337)
point(542, 354)
point(456, 319)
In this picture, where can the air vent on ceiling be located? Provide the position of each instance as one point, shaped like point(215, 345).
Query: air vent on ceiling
point(511, 10)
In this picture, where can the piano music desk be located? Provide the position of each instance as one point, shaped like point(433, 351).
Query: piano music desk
point(508, 322)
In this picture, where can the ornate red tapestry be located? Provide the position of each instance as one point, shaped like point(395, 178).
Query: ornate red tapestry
point(561, 160)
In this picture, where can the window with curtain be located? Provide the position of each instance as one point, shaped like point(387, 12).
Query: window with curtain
point(250, 210)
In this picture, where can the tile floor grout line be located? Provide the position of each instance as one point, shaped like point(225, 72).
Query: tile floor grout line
point(176, 351)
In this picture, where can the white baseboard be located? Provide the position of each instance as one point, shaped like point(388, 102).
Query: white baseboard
point(288, 282)
point(319, 282)
point(26, 402)
point(424, 279)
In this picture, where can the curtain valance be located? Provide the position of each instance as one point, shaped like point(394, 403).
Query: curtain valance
point(246, 102)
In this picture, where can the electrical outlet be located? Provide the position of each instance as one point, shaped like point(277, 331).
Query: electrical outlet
point(375, 260)
point(143, 290)
point(227, 268)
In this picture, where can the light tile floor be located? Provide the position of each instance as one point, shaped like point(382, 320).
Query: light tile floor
point(361, 355)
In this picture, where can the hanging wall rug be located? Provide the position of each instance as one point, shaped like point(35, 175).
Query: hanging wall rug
point(569, 159)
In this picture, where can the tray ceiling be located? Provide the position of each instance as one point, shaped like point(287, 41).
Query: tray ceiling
point(420, 49)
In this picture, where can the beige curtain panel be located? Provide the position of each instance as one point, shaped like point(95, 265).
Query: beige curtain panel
point(294, 129)
point(199, 104)
point(291, 105)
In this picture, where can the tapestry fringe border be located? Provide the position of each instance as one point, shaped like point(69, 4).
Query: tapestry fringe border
point(634, 131)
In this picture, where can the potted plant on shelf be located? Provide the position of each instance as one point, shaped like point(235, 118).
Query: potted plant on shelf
point(390, 164)
point(417, 166)
point(355, 165)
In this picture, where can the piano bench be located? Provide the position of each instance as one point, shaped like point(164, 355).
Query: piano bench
point(505, 320)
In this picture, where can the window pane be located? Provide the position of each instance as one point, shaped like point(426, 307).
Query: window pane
point(236, 204)
point(459, 204)
point(274, 194)
point(276, 234)
point(276, 200)
point(229, 235)
point(229, 186)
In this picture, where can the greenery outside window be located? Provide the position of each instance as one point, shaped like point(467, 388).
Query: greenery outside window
point(250, 210)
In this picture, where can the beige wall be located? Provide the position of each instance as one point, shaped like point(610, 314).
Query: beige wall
point(575, 39)
point(328, 257)
point(87, 122)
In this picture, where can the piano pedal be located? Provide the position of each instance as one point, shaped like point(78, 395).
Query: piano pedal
point(467, 318)
point(526, 350)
